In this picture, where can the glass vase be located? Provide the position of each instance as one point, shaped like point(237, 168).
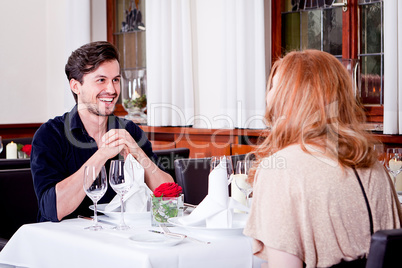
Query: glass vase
point(164, 208)
point(133, 94)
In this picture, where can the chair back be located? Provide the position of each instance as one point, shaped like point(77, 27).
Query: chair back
point(18, 202)
point(14, 163)
point(167, 157)
point(385, 249)
point(192, 176)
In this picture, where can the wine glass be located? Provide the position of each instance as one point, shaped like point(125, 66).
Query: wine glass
point(223, 160)
point(379, 150)
point(1, 144)
point(121, 185)
point(394, 161)
point(95, 186)
point(240, 178)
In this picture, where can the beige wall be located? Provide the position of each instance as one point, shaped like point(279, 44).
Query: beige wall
point(36, 39)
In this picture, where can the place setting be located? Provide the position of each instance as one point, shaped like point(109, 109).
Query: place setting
point(218, 214)
point(131, 202)
point(154, 213)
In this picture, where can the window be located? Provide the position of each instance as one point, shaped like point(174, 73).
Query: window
point(353, 34)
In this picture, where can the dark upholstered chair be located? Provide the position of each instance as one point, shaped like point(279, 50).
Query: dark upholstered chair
point(192, 176)
point(23, 141)
point(18, 203)
point(14, 163)
point(3, 243)
point(385, 249)
point(167, 157)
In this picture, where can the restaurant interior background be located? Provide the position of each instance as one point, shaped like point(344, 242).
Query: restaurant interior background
point(38, 36)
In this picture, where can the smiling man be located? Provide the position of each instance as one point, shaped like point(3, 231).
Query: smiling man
point(87, 135)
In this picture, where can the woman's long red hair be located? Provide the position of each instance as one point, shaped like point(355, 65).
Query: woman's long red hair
point(314, 104)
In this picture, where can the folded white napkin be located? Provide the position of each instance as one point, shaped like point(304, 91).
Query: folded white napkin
point(135, 200)
point(216, 209)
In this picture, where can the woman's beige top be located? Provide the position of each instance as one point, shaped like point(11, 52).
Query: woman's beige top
point(309, 207)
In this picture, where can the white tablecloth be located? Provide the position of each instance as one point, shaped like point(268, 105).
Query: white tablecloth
point(67, 244)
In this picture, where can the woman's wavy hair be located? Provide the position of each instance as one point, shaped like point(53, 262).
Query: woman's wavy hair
point(314, 104)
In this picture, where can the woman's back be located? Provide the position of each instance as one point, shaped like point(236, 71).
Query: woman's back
point(307, 205)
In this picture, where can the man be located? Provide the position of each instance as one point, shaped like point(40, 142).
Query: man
point(87, 135)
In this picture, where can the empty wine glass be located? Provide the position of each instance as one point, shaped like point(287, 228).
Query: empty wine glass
point(394, 161)
point(95, 186)
point(240, 178)
point(223, 160)
point(121, 185)
point(379, 150)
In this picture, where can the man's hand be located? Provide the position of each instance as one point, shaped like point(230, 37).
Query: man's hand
point(112, 144)
point(123, 140)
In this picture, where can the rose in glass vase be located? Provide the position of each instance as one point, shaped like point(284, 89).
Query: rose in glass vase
point(167, 202)
point(24, 151)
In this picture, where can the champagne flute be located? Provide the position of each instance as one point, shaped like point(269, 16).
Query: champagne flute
point(121, 185)
point(223, 160)
point(95, 186)
point(394, 161)
point(240, 178)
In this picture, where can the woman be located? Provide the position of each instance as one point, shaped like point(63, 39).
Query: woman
point(308, 206)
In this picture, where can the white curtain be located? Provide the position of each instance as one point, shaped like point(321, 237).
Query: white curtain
point(170, 93)
point(206, 63)
point(392, 67)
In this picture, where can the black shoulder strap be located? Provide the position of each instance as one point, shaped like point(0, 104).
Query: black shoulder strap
point(367, 203)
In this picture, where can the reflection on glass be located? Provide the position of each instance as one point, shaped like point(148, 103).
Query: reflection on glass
point(291, 31)
point(332, 34)
point(371, 82)
point(311, 29)
point(371, 28)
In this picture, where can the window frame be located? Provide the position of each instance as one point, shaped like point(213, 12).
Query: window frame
point(350, 43)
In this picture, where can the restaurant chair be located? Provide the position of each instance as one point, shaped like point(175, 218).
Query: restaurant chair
point(167, 157)
point(14, 163)
point(18, 202)
point(385, 249)
point(192, 176)
point(3, 243)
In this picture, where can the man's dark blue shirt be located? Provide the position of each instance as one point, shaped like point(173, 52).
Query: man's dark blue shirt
point(60, 147)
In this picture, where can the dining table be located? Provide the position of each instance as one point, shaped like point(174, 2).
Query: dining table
point(69, 244)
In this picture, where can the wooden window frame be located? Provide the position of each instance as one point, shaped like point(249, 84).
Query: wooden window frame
point(349, 44)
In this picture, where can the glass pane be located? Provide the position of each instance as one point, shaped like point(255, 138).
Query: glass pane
point(371, 80)
point(332, 31)
point(289, 5)
point(311, 29)
point(291, 31)
point(370, 28)
point(311, 3)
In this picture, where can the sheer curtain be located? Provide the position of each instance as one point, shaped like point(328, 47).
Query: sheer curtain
point(392, 67)
point(206, 63)
point(170, 93)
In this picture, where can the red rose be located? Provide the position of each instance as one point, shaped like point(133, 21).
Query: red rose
point(27, 149)
point(168, 189)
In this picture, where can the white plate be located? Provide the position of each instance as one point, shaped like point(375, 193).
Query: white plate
point(154, 240)
point(116, 214)
point(239, 221)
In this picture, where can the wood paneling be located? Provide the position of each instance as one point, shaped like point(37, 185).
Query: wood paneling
point(241, 149)
point(162, 145)
point(9, 131)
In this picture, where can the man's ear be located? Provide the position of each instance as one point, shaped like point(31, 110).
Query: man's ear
point(74, 85)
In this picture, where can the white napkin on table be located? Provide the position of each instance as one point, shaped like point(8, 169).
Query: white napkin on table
point(135, 200)
point(216, 209)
